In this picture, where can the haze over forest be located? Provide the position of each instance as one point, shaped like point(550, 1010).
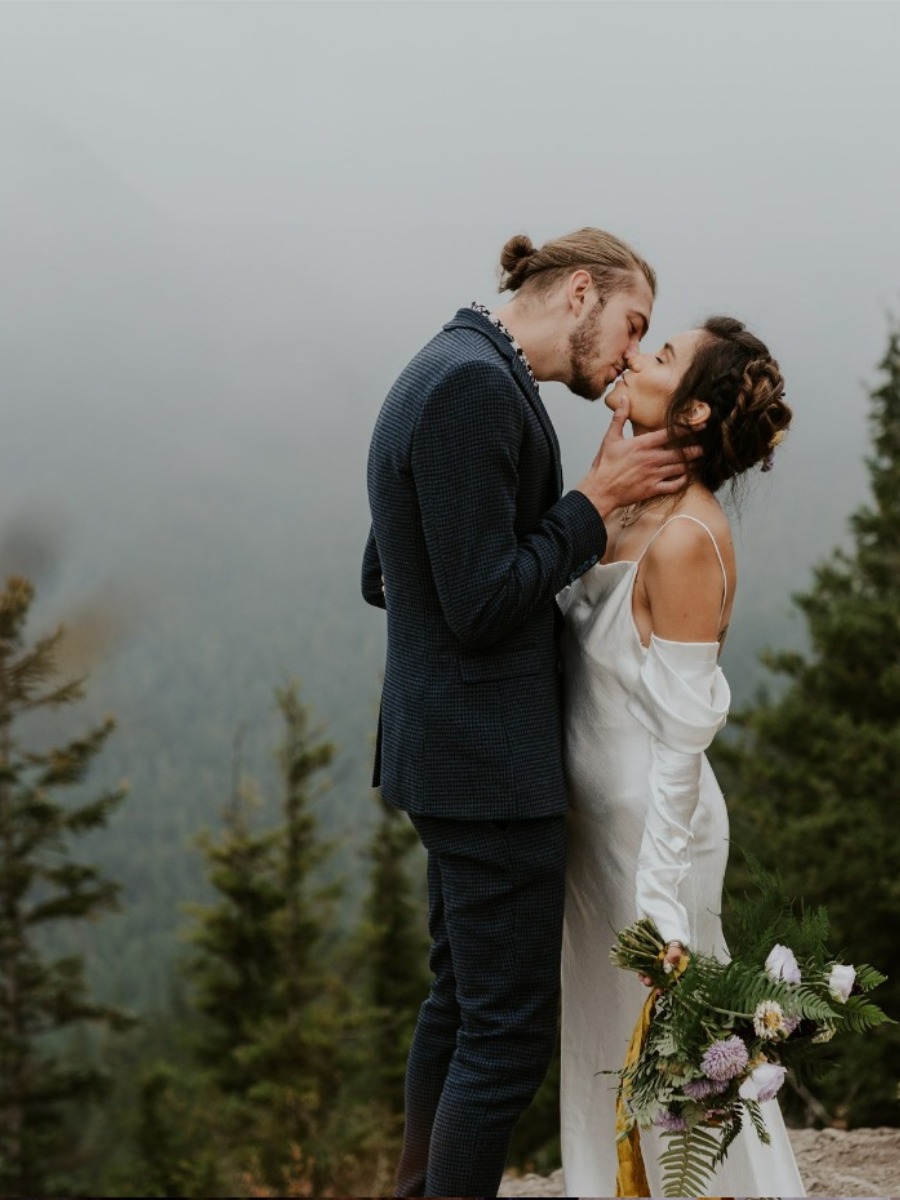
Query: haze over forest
point(226, 228)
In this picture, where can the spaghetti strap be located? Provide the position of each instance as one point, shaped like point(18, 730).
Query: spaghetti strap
point(697, 521)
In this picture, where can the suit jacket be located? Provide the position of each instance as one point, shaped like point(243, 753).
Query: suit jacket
point(474, 541)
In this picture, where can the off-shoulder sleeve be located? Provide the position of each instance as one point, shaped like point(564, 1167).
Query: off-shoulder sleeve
point(682, 701)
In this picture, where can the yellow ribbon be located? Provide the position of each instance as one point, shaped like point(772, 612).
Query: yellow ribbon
point(631, 1179)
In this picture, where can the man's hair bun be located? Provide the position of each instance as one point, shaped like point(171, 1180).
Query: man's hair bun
point(514, 258)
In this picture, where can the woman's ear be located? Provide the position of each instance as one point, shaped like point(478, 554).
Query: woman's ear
point(696, 415)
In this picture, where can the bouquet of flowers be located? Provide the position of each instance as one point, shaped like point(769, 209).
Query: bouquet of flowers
point(722, 1035)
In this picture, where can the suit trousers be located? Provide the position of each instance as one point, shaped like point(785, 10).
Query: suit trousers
point(486, 1034)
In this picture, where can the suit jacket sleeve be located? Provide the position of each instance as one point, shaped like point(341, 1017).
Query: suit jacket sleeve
point(465, 466)
point(372, 588)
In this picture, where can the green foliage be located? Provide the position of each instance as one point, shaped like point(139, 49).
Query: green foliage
point(280, 1076)
point(40, 886)
point(723, 1032)
point(390, 957)
point(688, 1161)
point(273, 1023)
point(180, 1151)
point(812, 775)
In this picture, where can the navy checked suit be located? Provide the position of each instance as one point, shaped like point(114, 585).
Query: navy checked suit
point(474, 540)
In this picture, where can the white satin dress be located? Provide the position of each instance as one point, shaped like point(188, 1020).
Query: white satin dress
point(648, 836)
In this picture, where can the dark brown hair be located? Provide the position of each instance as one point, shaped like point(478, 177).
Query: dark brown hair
point(609, 260)
point(733, 372)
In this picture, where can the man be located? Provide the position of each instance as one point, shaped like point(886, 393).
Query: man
point(471, 541)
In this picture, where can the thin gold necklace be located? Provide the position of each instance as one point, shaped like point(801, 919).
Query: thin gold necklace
point(633, 512)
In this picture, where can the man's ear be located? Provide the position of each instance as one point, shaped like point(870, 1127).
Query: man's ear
point(578, 290)
point(696, 415)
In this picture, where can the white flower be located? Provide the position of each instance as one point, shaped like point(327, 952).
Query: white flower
point(782, 964)
point(763, 1082)
point(840, 981)
point(768, 1020)
point(825, 1034)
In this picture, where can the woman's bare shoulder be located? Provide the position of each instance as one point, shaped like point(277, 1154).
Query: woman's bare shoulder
point(707, 523)
point(683, 576)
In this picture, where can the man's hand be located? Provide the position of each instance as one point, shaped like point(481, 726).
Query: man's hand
point(627, 470)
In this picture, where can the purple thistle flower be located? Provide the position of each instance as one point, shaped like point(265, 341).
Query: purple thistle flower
point(725, 1059)
point(671, 1122)
point(700, 1089)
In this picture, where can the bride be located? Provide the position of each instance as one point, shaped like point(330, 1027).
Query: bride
point(644, 696)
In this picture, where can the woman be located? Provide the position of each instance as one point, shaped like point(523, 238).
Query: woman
point(644, 696)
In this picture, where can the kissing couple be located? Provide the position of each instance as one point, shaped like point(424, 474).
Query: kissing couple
point(551, 684)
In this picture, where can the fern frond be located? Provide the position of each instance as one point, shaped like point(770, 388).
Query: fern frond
point(860, 1014)
point(688, 1162)
point(731, 1132)
point(759, 1124)
point(867, 977)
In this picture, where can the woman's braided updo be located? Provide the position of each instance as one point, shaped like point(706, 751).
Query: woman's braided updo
point(733, 372)
point(610, 262)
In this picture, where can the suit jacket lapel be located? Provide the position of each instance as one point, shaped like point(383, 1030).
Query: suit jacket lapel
point(469, 319)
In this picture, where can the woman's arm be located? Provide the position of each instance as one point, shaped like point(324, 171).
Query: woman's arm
point(683, 589)
point(677, 680)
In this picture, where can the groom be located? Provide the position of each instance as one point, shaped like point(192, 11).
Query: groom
point(471, 541)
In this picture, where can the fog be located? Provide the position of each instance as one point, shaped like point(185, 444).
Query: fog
point(227, 226)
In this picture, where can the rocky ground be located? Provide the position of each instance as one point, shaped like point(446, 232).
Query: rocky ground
point(833, 1162)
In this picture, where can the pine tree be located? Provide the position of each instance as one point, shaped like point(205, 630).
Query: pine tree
point(41, 885)
point(814, 772)
point(272, 1024)
point(393, 954)
point(238, 963)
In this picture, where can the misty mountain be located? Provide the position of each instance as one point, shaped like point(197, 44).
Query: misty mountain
point(225, 230)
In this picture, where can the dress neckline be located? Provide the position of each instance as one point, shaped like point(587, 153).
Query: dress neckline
point(636, 562)
point(626, 562)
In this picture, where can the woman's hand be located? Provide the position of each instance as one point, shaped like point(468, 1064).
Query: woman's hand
point(674, 951)
point(672, 957)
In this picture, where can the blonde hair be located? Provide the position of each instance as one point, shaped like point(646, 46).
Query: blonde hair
point(609, 261)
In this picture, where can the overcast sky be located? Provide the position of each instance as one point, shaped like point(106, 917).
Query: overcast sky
point(227, 226)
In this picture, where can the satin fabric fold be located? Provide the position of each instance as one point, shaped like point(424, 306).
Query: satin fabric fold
point(681, 699)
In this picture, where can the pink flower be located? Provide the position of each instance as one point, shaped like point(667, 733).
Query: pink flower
point(782, 964)
point(763, 1082)
point(840, 982)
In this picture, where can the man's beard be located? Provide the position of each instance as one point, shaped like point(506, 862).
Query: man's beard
point(582, 343)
